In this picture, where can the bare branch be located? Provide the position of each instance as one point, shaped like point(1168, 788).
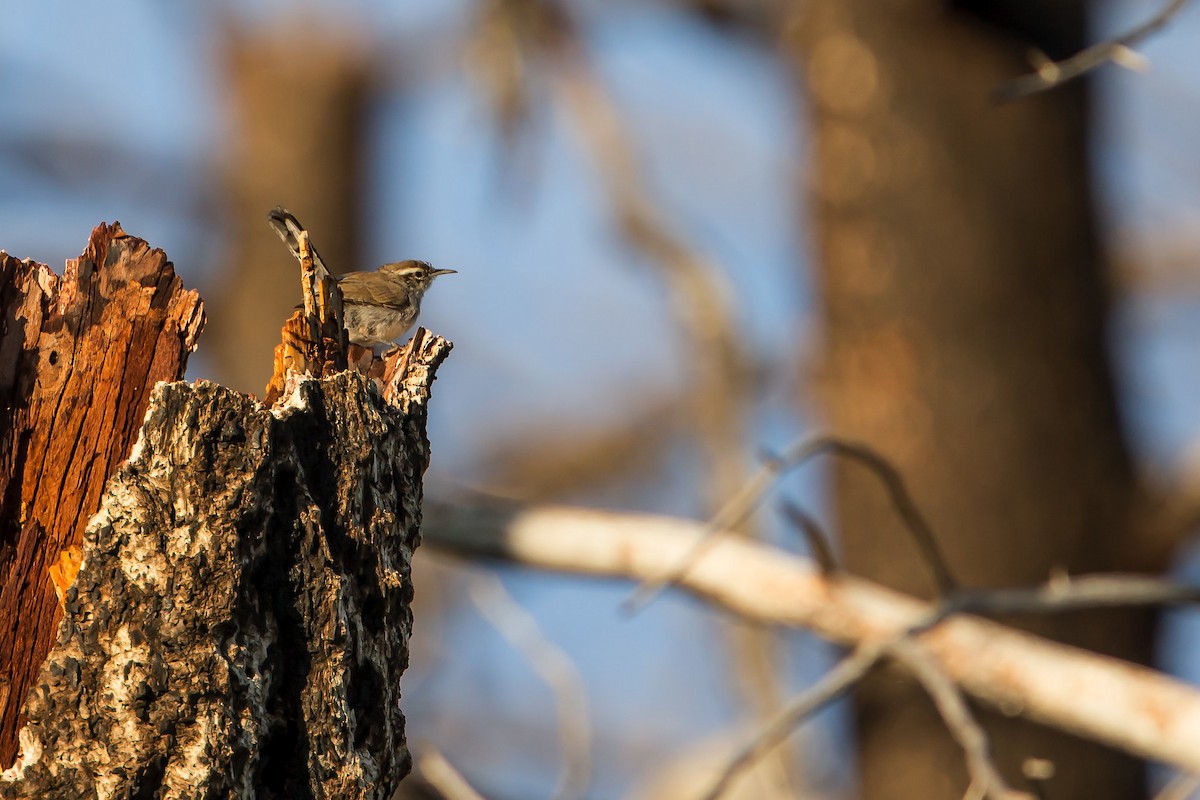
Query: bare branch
point(818, 542)
point(831, 686)
point(1074, 594)
point(1123, 705)
point(755, 491)
point(958, 718)
point(1049, 74)
point(1092, 592)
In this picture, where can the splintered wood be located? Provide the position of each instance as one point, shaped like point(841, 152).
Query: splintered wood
point(314, 337)
point(314, 344)
point(79, 356)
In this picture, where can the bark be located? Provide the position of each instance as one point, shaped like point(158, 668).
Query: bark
point(78, 357)
point(241, 619)
point(965, 339)
point(313, 340)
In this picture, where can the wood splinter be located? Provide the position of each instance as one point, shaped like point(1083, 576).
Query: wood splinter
point(314, 341)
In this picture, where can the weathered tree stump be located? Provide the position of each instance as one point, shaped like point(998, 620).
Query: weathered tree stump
point(78, 357)
point(240, 621)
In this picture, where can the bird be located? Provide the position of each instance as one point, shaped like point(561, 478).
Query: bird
point(380, 305)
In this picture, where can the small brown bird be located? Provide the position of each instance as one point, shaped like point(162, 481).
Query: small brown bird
point(380, 305)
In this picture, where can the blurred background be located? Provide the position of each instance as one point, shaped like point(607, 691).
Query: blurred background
point(687, 232)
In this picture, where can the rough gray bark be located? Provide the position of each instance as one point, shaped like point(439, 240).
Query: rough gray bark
point(240, 622)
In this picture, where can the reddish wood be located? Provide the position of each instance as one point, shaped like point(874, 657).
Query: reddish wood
point(296, 352)
point(78, 357)
point(313, 338)
point(63, 571)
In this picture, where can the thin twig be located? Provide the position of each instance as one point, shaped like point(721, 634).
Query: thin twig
point(831, 686)
point(1050, 74)
point(754, 491)
point(1074, 594)
point(520, 629)
point(958, 718)
point(902, 501)
point(818, 541)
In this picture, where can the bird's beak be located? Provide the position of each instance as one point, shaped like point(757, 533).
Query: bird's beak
point(437, 272)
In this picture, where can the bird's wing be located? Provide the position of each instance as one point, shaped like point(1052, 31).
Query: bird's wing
point(367, 288)
point(284, 223)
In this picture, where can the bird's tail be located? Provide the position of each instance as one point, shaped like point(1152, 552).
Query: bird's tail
point(285, 224)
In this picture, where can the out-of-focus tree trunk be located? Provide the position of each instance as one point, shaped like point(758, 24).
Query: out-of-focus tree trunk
point(298, 101)
point(965, 306)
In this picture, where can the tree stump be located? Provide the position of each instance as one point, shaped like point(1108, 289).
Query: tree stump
point(240, 621)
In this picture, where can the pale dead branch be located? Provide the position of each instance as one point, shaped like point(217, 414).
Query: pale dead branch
point(1123, 705)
